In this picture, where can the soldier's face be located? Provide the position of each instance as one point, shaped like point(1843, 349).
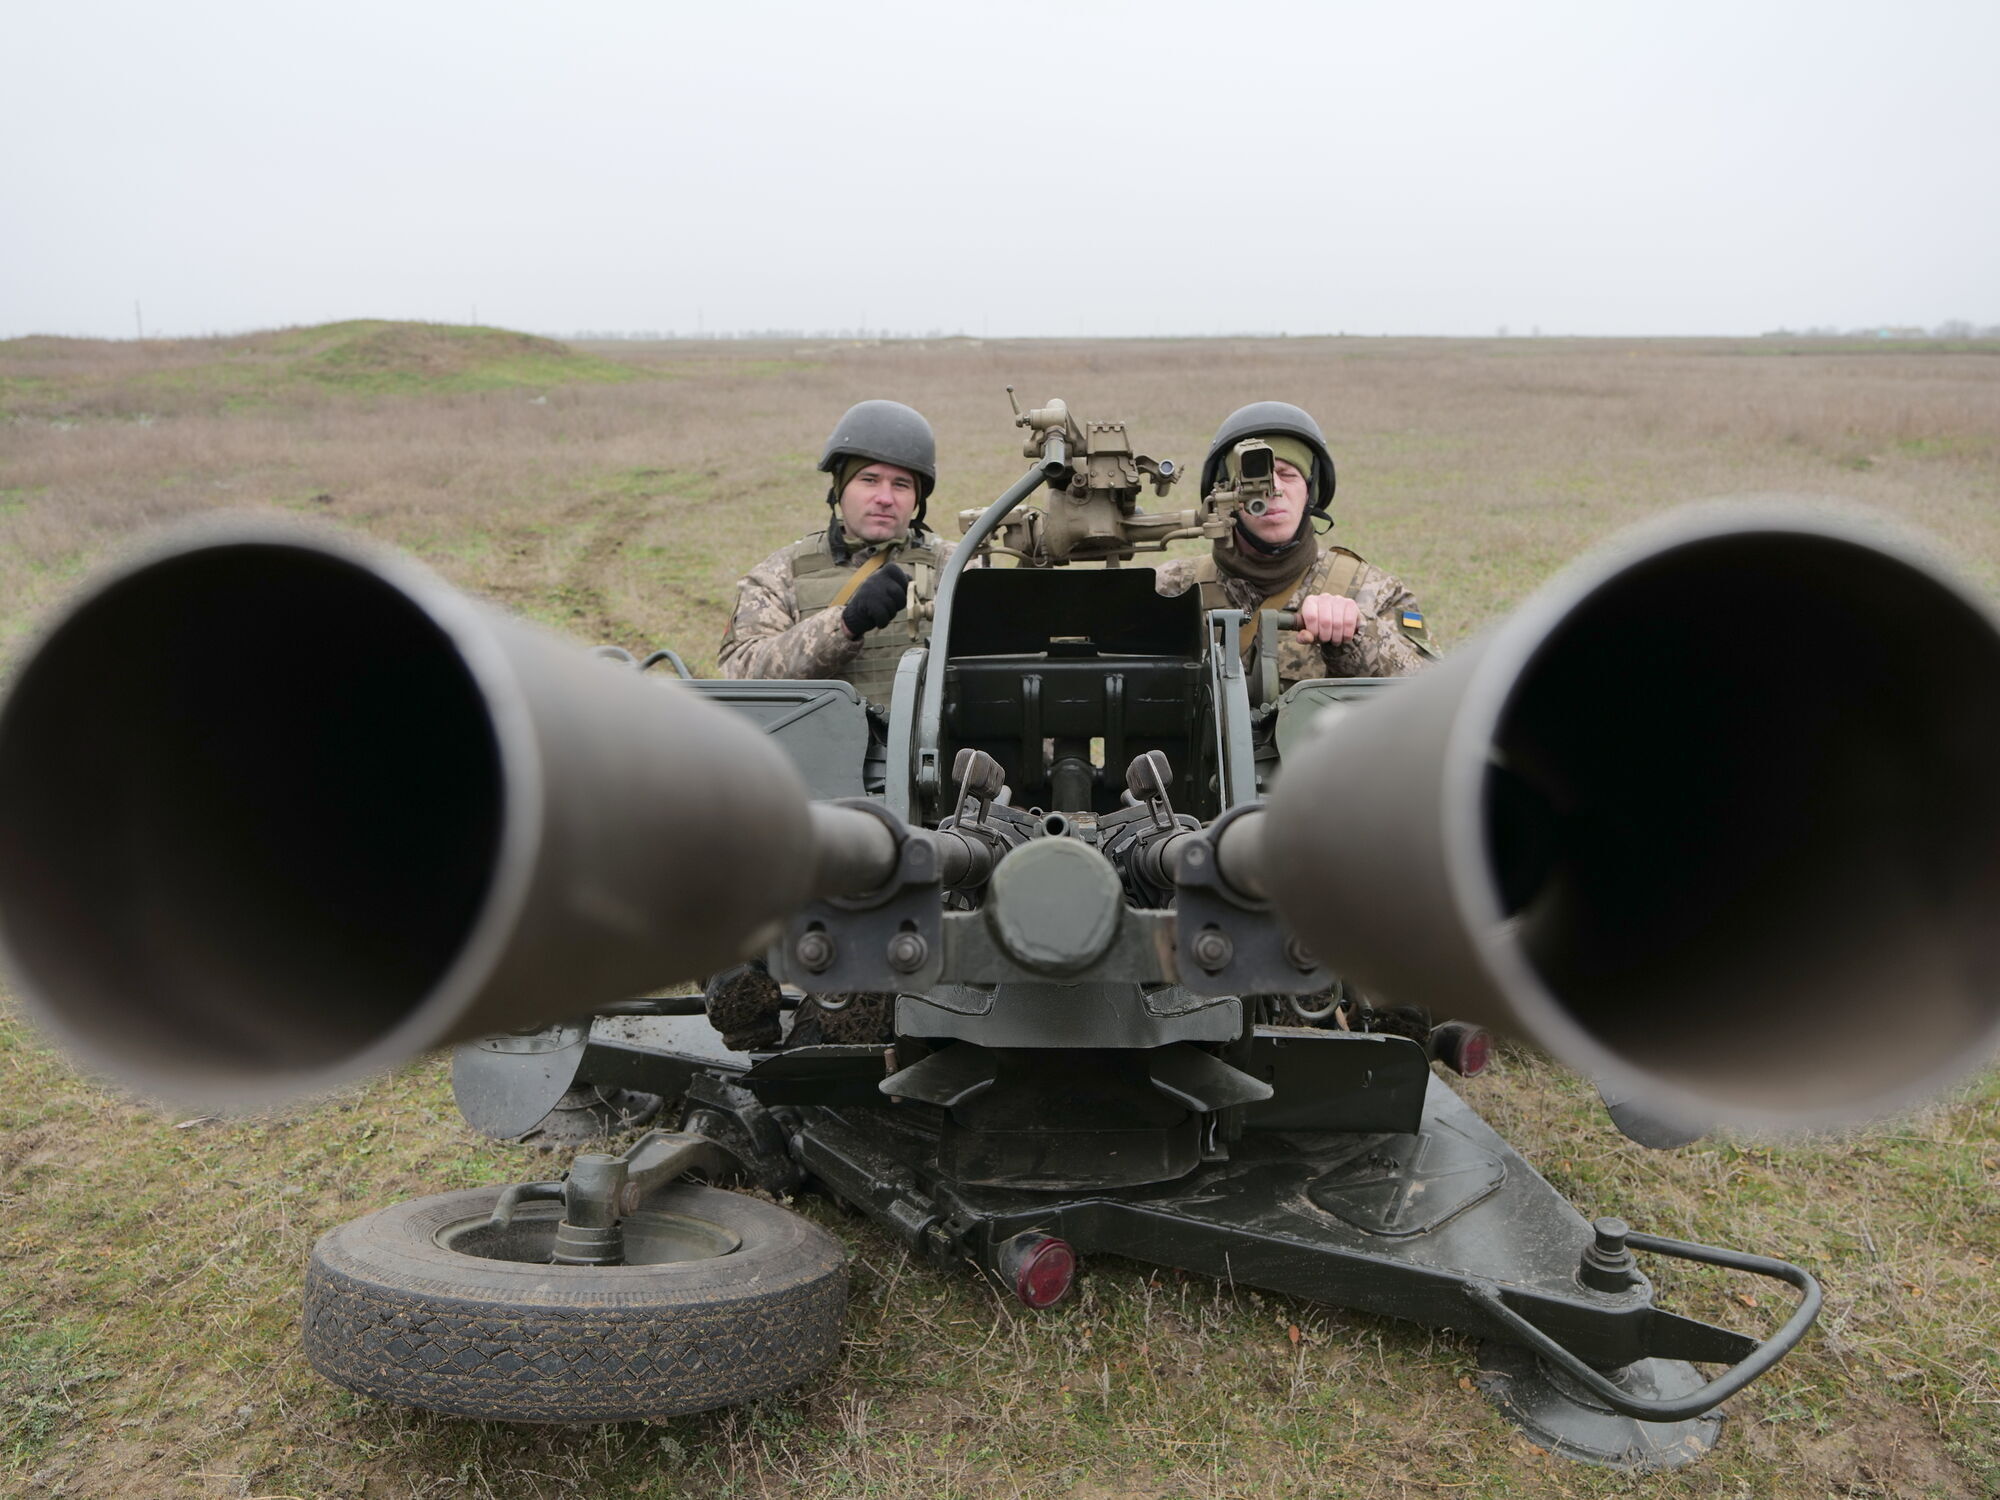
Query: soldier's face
point(1281, 516)
point(878, 502)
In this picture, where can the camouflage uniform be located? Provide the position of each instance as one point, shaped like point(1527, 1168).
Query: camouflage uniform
point(785, 625)
point(1392, 640)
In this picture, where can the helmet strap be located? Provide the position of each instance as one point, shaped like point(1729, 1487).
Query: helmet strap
point(836, 529)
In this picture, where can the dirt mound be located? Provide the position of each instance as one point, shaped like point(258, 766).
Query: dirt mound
point(56, 377)
point(375, 355)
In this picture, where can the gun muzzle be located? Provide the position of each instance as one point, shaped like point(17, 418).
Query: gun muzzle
point(1715, 817)
point(280, 811)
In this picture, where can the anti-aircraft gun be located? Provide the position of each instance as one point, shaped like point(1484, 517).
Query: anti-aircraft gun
point(1092, 872)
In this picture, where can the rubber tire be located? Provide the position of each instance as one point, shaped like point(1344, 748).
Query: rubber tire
point(391, 1313)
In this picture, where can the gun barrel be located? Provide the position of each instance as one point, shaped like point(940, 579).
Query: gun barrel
point(281, 811)
point(1715, 817)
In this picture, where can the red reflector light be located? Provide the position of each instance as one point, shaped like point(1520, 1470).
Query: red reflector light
point(1475, 1054)
point(1464, 1048)
point(1039, 1267)
point(1046, 1274)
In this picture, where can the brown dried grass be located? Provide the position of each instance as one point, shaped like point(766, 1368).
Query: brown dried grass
point(1470, 468)
point(148, 1273)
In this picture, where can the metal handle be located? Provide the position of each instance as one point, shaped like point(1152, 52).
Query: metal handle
point(930, 710)
point(513, 1197)
point(1718, 1390)
point(672, 658)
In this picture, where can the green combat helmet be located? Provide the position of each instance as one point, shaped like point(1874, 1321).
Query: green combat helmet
point(1268, 419)
point(888, 432)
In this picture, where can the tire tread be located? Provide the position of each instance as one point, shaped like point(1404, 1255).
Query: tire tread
point(651, 1346)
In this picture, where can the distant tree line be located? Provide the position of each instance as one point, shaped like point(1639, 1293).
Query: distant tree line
point(1952, 328)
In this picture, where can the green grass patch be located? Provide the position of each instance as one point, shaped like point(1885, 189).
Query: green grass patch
point(22, 390)
point(1951, 448)
point(47, 1375)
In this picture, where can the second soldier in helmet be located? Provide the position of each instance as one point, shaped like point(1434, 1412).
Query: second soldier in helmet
point(1355, 620)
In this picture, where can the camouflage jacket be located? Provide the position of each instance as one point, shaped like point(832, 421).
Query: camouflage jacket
point(775, 632)
point(1393, 639)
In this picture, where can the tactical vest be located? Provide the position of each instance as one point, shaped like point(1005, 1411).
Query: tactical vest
point(817, 580)
point(1334, 571)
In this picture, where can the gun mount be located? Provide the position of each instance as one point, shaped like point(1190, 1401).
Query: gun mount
point(1094, 479)
point(1109, 895)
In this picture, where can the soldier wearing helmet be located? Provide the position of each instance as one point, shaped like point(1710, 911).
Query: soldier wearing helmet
point(1354, 619)
point(834, 603)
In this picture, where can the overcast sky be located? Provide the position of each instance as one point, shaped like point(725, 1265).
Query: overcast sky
point(1681, 167)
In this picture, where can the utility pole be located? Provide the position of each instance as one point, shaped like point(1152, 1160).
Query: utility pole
point(139, 321)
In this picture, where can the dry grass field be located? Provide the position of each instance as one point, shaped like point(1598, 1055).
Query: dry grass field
point(150, 1264)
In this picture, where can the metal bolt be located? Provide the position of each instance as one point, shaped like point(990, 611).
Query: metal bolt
point(1607, 1263)
point(907, 952)
point(814, 950)
point(1299, 956)
point(1212, 949)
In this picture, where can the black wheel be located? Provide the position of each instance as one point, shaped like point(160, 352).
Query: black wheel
point(724, 1298)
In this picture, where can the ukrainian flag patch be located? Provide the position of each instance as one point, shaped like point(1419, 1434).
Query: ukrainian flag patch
point(1413, 619)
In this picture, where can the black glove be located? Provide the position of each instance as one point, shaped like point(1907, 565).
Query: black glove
point(878, 601)
point(743, 1004)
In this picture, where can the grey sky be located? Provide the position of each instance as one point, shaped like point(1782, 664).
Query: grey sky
point(1677, 168)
